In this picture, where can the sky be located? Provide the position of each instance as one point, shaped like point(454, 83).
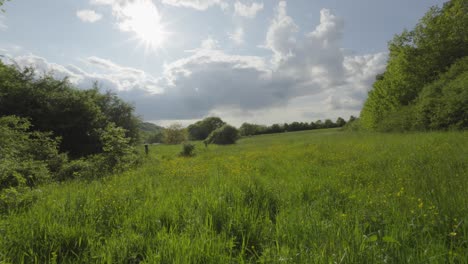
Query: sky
point(179, 61)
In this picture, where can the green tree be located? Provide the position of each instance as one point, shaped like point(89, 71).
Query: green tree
point(328, 123)
point(340, 122)
point(247, 129)
point(174, 134)
point(443, 104)
point(224, 135)
point(27, 158)
point(74, 115)
point(417, 58)
point(202, 129)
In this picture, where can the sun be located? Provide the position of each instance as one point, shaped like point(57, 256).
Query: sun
point(143, 19)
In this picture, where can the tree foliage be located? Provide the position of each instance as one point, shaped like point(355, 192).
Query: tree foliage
point(52, 131)
point(202, 129)
point(174, 134)
point(417, 58)
point(76, 116)
point(224, 135)
point(27, 158)
point(443, 104)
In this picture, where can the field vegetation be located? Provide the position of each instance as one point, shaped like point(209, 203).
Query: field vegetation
point(77, 187)
point(321, 196)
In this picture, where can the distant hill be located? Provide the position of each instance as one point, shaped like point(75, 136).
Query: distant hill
point(150, 127)
point(151, 133)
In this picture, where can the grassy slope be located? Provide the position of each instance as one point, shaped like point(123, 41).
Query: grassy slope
point(321, 196)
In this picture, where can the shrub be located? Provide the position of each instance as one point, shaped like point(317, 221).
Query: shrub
point(174, 134)
point(26, 158)
point(202, 129)
point(224, 135)
point(187, 150)
point(70, 113)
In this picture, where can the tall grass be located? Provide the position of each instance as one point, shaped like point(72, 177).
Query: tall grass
point(305, 197)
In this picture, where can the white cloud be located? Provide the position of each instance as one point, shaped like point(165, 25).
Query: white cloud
point(237, 36)
point(108, 74)
point(280, 35)
point(197, 4)
point(89, 16)
point(245, 10)
point(306, 77)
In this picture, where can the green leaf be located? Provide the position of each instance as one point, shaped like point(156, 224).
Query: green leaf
point(389, 239)
point(372, 238)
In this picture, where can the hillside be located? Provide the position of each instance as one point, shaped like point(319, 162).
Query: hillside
point(150, 127)
point(306, 197)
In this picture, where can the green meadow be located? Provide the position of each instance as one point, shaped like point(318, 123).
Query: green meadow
point(324, 196)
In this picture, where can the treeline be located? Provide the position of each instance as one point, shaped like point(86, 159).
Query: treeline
point(424, 86)
point(52, 131)
point(215, 130)
point(247, 129)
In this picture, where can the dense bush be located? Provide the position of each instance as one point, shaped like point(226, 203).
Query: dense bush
point(247, 129)
point(56, 106)
point(224, 135)
point(444, 103)
point(202, 129)
point(187, 150)
point(26, 160)
point(51, 131)
point(174, 134)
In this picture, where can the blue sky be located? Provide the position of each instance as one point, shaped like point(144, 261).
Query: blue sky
point(181, 60)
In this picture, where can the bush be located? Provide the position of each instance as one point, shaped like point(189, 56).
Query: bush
point(224, 135)
point(400, 120)
point(187, 150)
point(73, 114)
point(174, 134)
point(26, 158)
point(202, 129)
point(443, 104)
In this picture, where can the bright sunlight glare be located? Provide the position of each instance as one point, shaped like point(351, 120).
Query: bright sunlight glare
point(143, 18)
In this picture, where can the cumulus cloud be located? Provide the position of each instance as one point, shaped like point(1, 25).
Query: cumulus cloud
point(89, 16)
point(237, 36)
point(280, 34)
point(247, 11)
point(306, 76)
point(197, 4)
point(109, 75)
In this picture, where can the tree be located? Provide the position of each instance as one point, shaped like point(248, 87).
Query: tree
point(202, 129)
point(417, 58)
point(247, 129)
point(319, 124)
point(72, 114)
point(340, 122)
point(27, 158)
point(328, 123)
point(175, 134)
point(276, 128)
point(444, 104)
point(312, 125)
point(224, 135)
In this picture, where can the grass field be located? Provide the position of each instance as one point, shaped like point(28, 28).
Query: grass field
point(308, 197)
